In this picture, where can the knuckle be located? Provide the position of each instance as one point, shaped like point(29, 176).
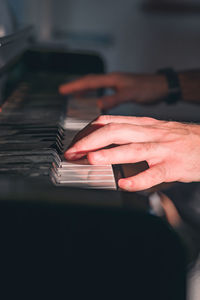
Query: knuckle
point(149, 120)
point(172, 123)
point(161, 172)
point(146, 148)
point(103, 119)
point(112, 127)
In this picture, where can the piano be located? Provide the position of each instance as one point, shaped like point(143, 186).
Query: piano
point(66, 229)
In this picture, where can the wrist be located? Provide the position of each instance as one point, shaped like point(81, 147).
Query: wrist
point(162, 86)
point(189, 82)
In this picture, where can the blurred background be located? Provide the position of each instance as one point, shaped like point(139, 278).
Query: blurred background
point(132, 35)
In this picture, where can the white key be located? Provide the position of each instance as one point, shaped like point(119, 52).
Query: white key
point(79, 113)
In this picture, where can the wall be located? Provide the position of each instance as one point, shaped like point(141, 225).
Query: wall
point(136, 41)
point(128, 38)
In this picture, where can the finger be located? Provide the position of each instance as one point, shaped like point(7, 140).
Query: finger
point(106, 119)
point(151, 177)
point(82, 133)
point(130, 153)
point(100, 138)
point(89, 82)
point(113, 133)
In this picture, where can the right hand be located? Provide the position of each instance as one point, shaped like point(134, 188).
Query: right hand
point(140, 88)
point(171, 149)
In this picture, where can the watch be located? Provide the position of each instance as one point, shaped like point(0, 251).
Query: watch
point(174, 88)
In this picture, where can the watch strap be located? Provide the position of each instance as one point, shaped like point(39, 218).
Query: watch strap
point(174, 94)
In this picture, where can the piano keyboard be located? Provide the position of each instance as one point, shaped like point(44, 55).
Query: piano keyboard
point(35, 131)
point(79, 113)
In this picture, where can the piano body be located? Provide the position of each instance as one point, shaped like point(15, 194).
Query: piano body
point(65, 228)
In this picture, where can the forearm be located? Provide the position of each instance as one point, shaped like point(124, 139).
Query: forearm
point(190, 85)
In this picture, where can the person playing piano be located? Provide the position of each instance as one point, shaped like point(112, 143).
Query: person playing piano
point(171, 149)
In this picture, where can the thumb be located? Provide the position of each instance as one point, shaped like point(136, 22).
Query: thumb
point(144, 180)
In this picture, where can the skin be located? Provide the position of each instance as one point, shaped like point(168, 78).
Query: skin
point(171, 149)
point(144, 89)
point(139, 88)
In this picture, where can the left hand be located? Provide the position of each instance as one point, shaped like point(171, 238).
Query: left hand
point(171, 149)
point(139, 88)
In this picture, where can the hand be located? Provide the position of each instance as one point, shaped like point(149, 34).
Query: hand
point(144, 89)
point(171, 149)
